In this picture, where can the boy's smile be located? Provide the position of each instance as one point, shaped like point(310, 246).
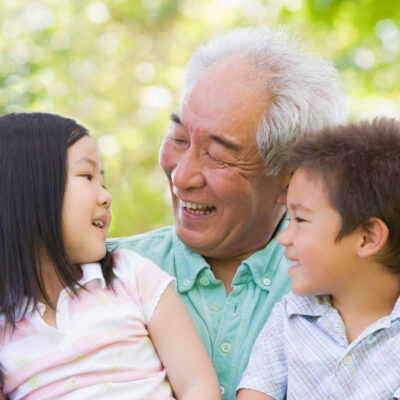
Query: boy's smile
point(320, 263)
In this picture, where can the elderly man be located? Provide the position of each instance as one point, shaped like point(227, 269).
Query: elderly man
point(246, 96)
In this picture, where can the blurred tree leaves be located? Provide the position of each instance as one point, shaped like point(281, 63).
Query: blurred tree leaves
point(116, 67)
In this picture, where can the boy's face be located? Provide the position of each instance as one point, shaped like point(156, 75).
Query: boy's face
point(320, 264)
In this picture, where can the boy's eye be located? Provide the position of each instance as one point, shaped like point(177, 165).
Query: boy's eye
point(298, 219)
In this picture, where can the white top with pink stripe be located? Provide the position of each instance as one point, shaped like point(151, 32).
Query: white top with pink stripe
point(100, 349)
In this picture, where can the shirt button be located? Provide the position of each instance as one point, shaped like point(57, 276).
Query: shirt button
point(186, 282)
point(225, 347)
point(266, 281)
point(215, 307)
point(222, 389)
point(204, 281)
point(347, 360)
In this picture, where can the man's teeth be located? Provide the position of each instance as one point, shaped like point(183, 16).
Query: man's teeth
point(196, 208)
point(98, 223)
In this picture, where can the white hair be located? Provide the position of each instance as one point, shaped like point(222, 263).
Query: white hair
point(304, 93)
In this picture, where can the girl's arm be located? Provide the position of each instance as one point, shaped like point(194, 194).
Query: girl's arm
point(248, 394)
point(181, 350)
point(2, 396)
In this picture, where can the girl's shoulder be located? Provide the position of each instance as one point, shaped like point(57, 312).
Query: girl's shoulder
point(128, 264)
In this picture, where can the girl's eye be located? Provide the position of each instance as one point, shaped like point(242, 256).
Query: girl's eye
point(89, 177)
point(297, 219)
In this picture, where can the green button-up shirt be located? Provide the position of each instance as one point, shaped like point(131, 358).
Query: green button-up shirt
point(228, 325)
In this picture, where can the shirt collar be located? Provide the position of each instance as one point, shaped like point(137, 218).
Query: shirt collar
point(316, 306)
point(396, 311)
point(312, 306)
point(263, 264)
point(92, 272)
point(188, 265)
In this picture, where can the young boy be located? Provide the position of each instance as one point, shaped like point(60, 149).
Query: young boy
point(338, 335)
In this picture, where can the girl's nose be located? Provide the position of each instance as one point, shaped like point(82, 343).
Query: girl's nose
point(105, 197)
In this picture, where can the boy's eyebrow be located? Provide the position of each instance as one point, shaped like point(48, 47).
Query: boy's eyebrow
point(224, 141)
point(298, 206)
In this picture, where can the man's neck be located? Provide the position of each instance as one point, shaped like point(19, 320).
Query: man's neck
point(225, 270)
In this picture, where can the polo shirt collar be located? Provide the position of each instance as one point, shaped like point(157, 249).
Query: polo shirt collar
point(92, 272)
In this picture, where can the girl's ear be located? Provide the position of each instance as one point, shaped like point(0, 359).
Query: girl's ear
point(374, 236)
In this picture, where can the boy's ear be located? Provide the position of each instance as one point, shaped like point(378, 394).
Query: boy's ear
point(374, 236)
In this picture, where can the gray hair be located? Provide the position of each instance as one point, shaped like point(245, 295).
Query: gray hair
point(305, 92)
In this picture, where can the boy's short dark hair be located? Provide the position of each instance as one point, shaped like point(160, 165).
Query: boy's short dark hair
point(359, 165)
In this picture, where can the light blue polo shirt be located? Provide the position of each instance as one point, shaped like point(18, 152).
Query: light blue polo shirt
point(228, 325)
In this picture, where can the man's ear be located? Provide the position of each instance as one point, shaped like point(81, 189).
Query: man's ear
point(281, 198)
point(374, 235)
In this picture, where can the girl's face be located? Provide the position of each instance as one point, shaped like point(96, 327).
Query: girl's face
point(86, 214)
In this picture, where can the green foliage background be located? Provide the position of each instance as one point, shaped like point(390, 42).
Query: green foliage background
point(116, 67)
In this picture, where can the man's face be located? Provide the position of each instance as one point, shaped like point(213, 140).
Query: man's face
point(224, 204)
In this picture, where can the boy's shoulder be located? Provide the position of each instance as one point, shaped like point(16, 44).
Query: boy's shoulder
point(312, 306)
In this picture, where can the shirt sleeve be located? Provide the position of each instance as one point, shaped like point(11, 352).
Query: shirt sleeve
point(148, 280)
point(266, 371)
point(396, 394)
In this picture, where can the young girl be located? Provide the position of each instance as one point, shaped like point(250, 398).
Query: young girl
point(76, 321)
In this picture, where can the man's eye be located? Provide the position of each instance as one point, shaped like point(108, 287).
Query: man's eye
point(180, 141)
point(217, 160)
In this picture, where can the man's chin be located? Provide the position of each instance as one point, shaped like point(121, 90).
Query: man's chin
point(197, 241)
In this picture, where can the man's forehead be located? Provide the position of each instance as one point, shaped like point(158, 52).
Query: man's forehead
point(224, 87)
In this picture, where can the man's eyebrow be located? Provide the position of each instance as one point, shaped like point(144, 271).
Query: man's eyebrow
point(217, 138)
point(174, 118)
point(225, 142)
point(91, 162)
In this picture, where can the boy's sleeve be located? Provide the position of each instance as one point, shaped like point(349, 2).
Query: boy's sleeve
point(266, 371)
point(396, 394)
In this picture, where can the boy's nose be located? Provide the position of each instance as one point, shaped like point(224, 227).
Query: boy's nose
point(284, 237)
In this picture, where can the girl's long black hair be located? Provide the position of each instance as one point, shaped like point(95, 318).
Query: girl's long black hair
point(33, 175)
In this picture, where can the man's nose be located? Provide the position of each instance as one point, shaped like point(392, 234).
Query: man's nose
point(188, 172)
